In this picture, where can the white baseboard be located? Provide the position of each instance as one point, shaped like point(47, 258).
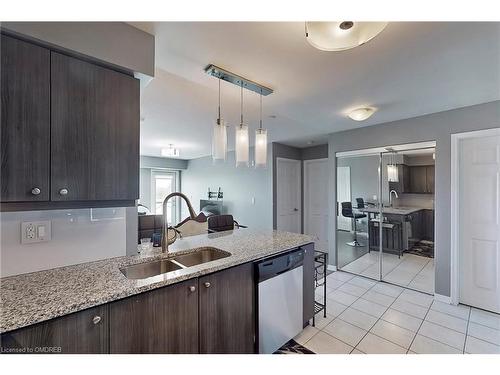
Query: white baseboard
point(441, 298)
point(331, 268)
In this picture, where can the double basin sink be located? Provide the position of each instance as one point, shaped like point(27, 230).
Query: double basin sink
point(179, 262)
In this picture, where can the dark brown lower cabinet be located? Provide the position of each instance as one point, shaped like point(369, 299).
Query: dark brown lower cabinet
point(308, 287)
point(164, 320)
point(226, 315)
point(84, 332)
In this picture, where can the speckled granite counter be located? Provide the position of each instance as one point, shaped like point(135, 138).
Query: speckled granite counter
point(35, 297)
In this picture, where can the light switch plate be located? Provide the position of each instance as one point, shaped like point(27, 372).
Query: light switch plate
point(35, 231)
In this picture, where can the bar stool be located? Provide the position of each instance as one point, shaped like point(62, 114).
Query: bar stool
point(348, 212)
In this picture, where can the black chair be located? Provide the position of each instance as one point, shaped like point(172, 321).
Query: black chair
point(360, 202)
point(348, 212)
point(221, 223)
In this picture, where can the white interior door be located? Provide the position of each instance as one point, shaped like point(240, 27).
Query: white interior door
point(288, 191)
point(479, 221)
point(316, 201)
point(343, 195)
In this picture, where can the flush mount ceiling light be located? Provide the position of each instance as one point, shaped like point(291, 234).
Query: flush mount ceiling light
point(392, 167)
point(361, 114)
point(170, 152)
point(339, 36)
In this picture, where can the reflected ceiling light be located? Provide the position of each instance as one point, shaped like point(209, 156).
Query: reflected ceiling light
point(339, 36)
point(392, 168)
point(241, 139)
point(170, 152)
point(361, 114)
point(260, 142)
point(219, 137)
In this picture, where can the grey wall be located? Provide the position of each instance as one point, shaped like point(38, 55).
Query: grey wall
point(239, 185)
point(115, 43)
point(438, 127)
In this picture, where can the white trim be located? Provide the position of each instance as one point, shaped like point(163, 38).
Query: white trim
point(299, 181)
point(455, 195)
point(331, 267)
point(444, 299)
point(304, 192)
point(378, 150)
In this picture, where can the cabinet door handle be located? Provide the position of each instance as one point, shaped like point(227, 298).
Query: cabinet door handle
point(96, 319)
point(35, 191)
point(192, 288)
point(63, 191)
point(207, 284)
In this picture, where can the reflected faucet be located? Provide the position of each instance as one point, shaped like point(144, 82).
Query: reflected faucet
point(164, 235)
point(390, 196)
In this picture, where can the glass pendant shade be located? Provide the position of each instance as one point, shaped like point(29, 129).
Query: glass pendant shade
point(261, 148)
point(392, 173)
point(241, 146)
point(219, 141)
point(339, 36)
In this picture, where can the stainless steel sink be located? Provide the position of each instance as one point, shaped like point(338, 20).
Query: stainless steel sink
point(145, 270)
point(204, 255)
point(158, 267)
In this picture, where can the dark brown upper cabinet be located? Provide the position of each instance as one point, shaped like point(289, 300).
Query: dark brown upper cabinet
point(94, 132)
point(227, 316)
point(25, 121)
point(429, 174)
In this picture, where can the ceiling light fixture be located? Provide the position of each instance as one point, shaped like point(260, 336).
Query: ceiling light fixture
point(219, 137)
point(241, 140)
point(392, 167)
point(361, 114)
point(260, 142)
point(170, 152)
point(339, 36)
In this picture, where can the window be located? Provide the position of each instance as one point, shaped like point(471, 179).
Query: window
point(162, 184)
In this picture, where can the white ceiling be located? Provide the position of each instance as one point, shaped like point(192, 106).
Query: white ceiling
point(410, 69)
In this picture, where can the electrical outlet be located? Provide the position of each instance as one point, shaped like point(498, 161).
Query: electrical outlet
point(35, 231)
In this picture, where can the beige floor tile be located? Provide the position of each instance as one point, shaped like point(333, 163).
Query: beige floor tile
point(379, 298)
point(387, 289)
point(485, 318)
point(421, 299)
point(447, 321)
point(459, 311)
point(476, 346)
point(442, 334)
point(484, 333)
point(345, 332)
point(369, 307)
point(352, 289)
point(400, 336)
point(323, 343)
point(342, 297)
point(409, 308)
point(402, 320)
point(358, 318)
point(425, 345)
point(306, 335)
point(372, 344)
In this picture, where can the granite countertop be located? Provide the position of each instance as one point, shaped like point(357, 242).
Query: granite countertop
point(35, 297)
point(393, 210)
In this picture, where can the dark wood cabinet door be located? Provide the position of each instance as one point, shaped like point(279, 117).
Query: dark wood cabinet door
point(84, 332)
point(308, 287)
point(429, 225)
point(418, 183)
point(164, 320)
point(25, 121)
point(227, 316)
point(429, 173)
point(94, 132)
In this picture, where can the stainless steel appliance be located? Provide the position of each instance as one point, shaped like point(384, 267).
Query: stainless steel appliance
point(280, 299)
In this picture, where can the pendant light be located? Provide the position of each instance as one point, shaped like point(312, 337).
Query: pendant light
point(219, 137)
point(392, 168)
point(260, 142)
point(241, 139)
point(339, 36)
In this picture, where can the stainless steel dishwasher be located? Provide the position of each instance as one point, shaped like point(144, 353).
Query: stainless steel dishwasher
point(280, 299)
